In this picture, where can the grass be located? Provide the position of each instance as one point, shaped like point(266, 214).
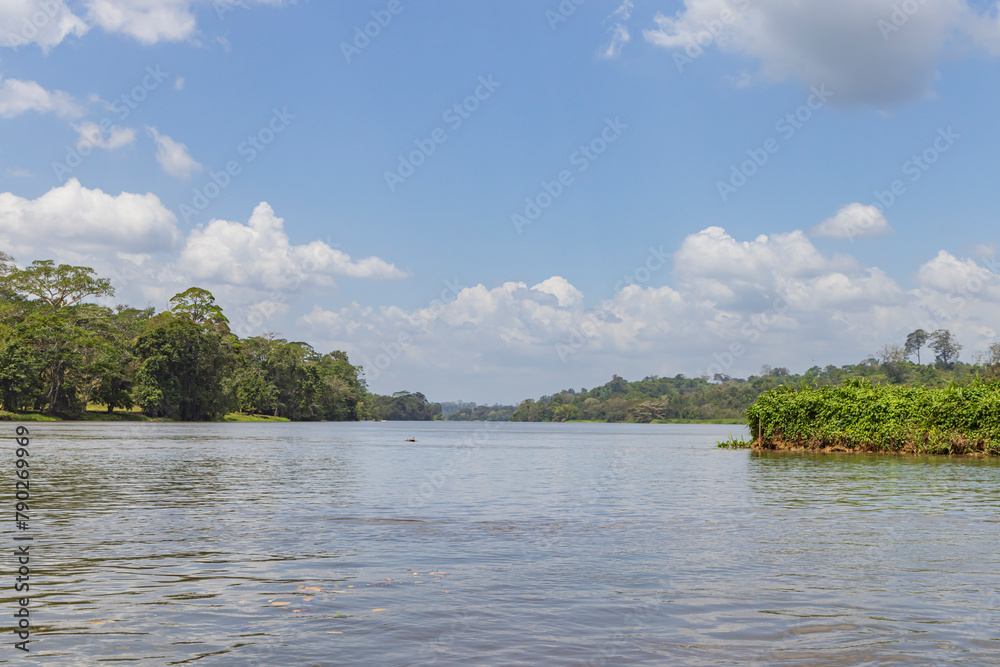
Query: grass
point(863, 417)
point(99, 413)
point(240, 417)
point(735, 443)
point(26, 417)
point(116, 416)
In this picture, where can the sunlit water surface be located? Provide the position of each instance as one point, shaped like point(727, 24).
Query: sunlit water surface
point(509, 544)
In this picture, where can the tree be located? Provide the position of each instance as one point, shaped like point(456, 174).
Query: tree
point(57, 286)
point(915, 341)
point(618, 385)
point(198, 305)
point(18, 373)
point(946, 347)
point(891, 357)
point(118, 368)
point(182, 369)
point(891, 353)
point(991, 359)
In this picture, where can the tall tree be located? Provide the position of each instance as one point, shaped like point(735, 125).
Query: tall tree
point(947, 348)
point(198, 305)
point(57, 286)
point(915, 341)
point(65, 334)
point(182, 370)
point(118, 368)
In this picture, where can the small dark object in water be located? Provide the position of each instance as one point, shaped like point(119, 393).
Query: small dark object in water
point(411, 440)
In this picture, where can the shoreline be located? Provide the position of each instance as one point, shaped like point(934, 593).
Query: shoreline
point(235, 418)
point(132, 417)
point(959, 446)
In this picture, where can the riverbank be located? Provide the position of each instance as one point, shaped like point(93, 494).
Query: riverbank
point(861, 417)
point(121, 416)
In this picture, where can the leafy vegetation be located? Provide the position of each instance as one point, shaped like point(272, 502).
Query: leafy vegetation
point(59, 353)
point(860, 415)
point(403, 406)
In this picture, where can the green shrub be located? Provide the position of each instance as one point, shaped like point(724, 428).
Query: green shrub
point(872, 417)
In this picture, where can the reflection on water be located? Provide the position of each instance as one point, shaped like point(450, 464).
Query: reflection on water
point(322, 544)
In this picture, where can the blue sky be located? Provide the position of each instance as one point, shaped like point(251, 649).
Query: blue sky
point(430, 278)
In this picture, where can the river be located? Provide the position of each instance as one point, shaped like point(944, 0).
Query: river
point(499, 544)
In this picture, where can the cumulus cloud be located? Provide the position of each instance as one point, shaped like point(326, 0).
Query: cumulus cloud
point(720, 270)
point(92, 134)
point(949, 274)
point(149, 21)
point(259, 254)
point(869, 52)
point(777, 298)
point(854, 221)
point(24, 22)
point(74, 217)
point(173, 156)
point(18, 97)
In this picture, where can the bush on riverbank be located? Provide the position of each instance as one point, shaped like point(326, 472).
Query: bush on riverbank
point(861, 416)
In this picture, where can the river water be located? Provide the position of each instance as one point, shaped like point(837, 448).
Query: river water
point(499, 544)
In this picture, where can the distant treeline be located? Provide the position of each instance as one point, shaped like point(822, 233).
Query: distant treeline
point(58, 354)
point(465, 412)
point(722, 397)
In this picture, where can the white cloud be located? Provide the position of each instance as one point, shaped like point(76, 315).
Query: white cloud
point(854, 221)
point(149, 21)
point(72, 217)
point(844, 45)
point(260, 255)
point(24, 22)
point(619, 32)
point(718, 269)
point(559, 287)
point(17, 97)
point(961, 277)
point(155, 21)
point(48, 23)
point(777, 299)
point(92, 135)
point(173, 156)
point(724, 291)
point(18, 173)
point(179, 83)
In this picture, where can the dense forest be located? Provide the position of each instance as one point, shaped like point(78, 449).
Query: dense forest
point(465, 412)
point(60, 353)
point(723, 398)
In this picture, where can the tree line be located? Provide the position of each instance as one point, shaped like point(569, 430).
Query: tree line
point(60, 353)
point(721, 397)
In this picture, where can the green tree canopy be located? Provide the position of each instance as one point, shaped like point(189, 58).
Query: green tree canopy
point(57, 286)
point(198, 305)
point(944, 344)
